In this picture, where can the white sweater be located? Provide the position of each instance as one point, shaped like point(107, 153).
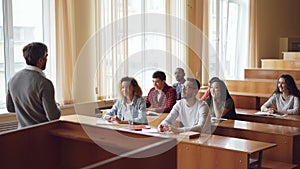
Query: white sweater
point(194, 118)
point(291, 105)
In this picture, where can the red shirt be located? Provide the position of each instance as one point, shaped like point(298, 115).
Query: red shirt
point(205, 95)
point(166, 101)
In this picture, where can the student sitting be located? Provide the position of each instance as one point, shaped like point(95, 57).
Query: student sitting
point(131, 108)
point(220, 102)
point(179, 75)
point(162, 97)
point(193, 113)
point(206, 94)
point(285, 99)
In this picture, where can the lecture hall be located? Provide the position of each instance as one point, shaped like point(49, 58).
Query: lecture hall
point(150, 84)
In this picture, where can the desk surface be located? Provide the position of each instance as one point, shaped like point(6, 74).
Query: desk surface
point(220, 142)
point(261, 127)
point(249, 115)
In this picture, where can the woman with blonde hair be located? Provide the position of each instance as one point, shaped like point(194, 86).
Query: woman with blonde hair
point(131, 107)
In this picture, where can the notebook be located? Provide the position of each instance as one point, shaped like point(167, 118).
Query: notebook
point(269, 114)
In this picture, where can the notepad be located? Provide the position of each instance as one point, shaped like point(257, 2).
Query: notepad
point(215, 119)
point(269, 114)
point(102, 121)
point(137, 127)
point(152, 113)
point(150, 130)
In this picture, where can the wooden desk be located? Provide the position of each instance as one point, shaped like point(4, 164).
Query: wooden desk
point(62, 144)
point(286, 138)
point(199, 153)
point(216, 151)
point(248, 115)
point(156, 120)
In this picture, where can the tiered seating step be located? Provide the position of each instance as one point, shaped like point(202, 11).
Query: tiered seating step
point(280, 64)
point(255, 86)
point(291, 55)
point(259, 73)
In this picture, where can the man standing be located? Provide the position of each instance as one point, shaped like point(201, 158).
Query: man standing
point(192, 113)
point(179, 75)
point(30, 94)
point(162, 97)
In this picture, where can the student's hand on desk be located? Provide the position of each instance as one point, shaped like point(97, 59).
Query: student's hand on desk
point(115, 118)
point(110, 118)
point(271, 110)
point(164, 128)
point(118, 120)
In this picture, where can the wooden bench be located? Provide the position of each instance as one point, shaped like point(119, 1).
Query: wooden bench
point(249, 100)
point(280, 64)
point(260, 86)
point(291, 55)
point(259, 73)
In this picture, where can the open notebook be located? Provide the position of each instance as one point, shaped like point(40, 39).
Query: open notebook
point(215, 119)
point(269, 114)
point(152, 113)
point(102, 121)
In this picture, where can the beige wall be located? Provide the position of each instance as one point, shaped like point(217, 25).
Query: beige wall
point(85, 68)
point(276, 19)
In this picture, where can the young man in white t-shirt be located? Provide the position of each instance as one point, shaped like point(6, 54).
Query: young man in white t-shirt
point(192, 113)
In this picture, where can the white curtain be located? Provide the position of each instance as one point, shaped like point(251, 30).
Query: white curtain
point(229, 34)
point(135, 39)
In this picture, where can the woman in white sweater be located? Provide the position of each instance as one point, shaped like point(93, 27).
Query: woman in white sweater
point(285, 99)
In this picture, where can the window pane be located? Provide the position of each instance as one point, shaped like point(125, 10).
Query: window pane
point(231, 40)
point(141, 53)
point(229, 27)
point(28, 27)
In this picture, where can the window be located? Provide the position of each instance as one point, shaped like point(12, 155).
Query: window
point(23, 22)
point(141, 53)
point(228, 32)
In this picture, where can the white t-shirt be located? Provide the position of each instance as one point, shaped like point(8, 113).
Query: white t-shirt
point(127, 113)
point(193, 118)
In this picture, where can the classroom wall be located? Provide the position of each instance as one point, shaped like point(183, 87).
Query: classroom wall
point(276, 19)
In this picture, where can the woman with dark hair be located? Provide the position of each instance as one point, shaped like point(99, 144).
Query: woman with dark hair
point(131, 107)
point(206, 94)
point(220, 102)
point(285, 99)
